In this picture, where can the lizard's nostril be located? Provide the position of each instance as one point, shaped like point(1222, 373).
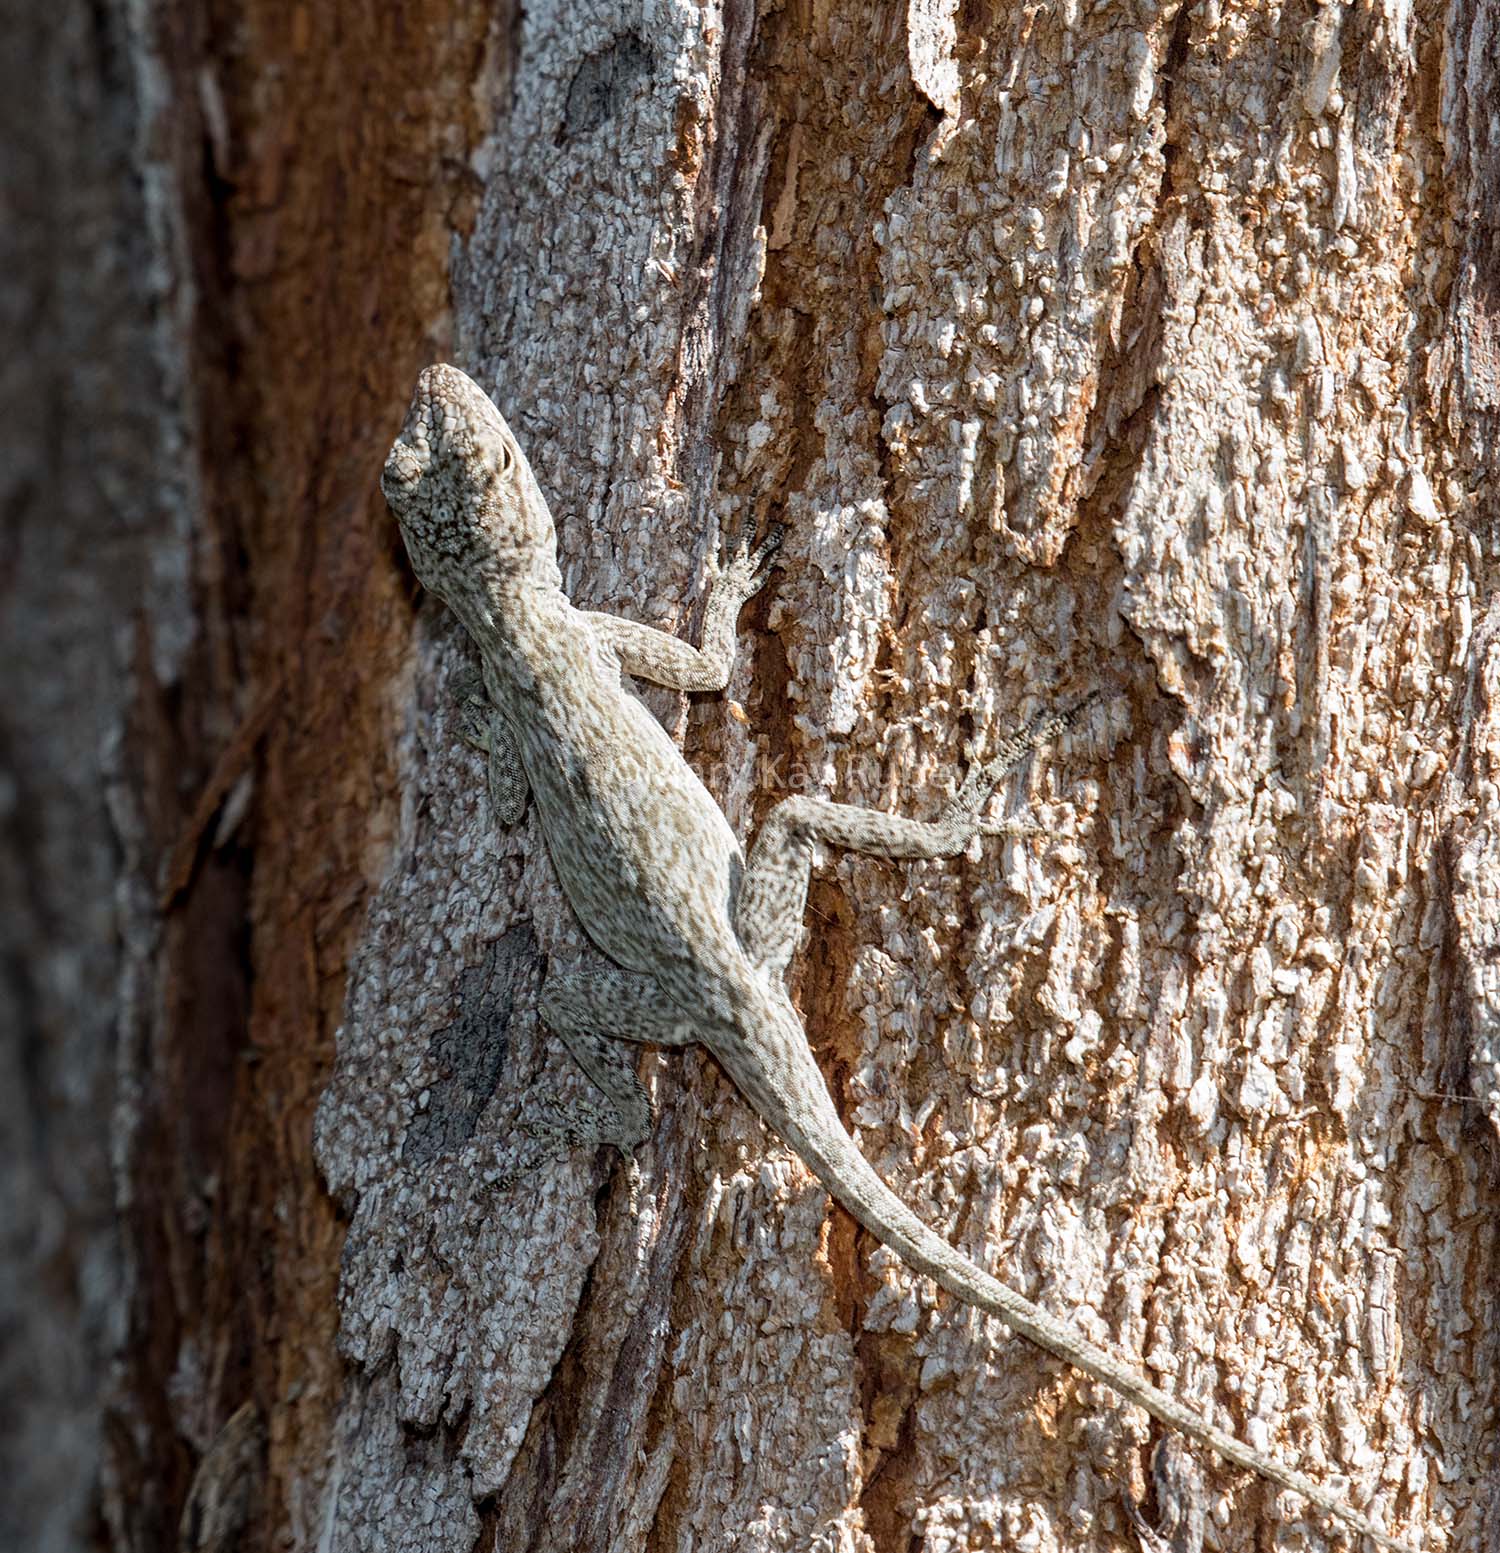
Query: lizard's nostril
point(402, 469)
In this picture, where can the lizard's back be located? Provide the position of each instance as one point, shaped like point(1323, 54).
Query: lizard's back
point(644, 854)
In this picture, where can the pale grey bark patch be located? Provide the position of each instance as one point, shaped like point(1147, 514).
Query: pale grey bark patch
point(389, 1487)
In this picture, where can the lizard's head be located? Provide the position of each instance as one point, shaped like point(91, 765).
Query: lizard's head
point(469, 509)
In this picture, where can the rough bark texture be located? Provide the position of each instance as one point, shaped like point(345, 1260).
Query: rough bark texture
point(1148, 350)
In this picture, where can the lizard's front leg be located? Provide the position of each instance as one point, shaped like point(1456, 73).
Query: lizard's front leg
point(594, 1006)
point(773, 892)
point(483, 729)
point(668, 660)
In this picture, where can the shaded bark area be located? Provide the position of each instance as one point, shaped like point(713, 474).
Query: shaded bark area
point(1154, 356)
point(92, 622)
point(223, 219)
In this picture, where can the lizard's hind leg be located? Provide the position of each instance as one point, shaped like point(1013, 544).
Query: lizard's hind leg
point(595, 1006)
point(773, 892)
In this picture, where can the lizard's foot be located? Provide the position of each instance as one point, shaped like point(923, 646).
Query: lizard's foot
point(467, 684)
point(983, 779)
point(542, 1146)
point(554, 1123)
point(748, 565)
point(551, 1131)
point(621, 1118)
point(474, 710)
point(1011, 828)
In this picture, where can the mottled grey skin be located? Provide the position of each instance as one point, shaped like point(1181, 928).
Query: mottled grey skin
point(693, 939)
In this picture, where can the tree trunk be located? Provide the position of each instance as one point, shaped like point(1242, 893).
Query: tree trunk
point(1156, 357)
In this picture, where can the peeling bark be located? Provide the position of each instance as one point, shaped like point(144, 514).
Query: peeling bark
point(1151, 354)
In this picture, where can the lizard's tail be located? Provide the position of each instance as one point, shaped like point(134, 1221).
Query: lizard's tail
point(810, 1124)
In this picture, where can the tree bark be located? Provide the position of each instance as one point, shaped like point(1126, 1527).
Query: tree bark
point(1154, 355)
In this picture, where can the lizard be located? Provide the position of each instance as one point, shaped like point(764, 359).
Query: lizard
point(689, 938)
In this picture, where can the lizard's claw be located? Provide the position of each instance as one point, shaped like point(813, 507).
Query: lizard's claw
point(769, 549)
point(749, 564)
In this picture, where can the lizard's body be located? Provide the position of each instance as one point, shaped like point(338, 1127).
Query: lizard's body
point(599, 766)
point(695, 937)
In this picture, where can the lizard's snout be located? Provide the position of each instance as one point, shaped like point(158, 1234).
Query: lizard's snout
point(401, 476)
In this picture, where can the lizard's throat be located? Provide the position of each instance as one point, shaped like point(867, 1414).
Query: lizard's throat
point(509, 608)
